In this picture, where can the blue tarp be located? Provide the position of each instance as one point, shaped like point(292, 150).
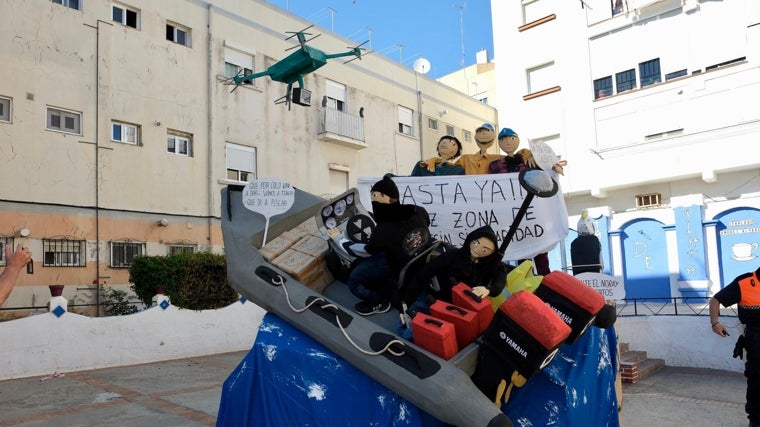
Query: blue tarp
point(577, 389)
point(288, 379)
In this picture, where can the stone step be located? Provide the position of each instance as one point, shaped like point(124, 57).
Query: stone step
point(632, 356)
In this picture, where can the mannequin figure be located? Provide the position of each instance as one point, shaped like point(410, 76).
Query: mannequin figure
point(476, 163)
point(449, 149)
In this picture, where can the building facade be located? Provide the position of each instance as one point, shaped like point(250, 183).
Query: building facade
point(653, 104)
point(119, 126)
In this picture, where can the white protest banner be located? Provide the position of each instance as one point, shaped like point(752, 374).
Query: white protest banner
point(458, 204)
point(610, 287)
point(269, 197)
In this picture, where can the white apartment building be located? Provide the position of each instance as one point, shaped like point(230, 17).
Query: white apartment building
point(653, 103)
point(646, 97)
point(119, 127)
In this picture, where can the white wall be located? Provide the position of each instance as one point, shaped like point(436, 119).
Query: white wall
point(682, 340)
point(45, 344)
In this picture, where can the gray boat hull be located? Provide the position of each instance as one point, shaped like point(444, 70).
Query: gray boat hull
point(435, 385)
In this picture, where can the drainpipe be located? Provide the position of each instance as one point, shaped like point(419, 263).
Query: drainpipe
point(97, 164)
point(209, 121)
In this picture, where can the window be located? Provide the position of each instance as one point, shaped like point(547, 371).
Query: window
point(649, 72)
point(625, 80)
point(648, 200)
point(63, 253)
point(336, 95)
point(450, 130)
point(5, 241)
point(125, 16)
point(405, 120)
point(181, 249)
point(241, 162)
point(74, 4)
point(617, 7)
point(64, 121)
point(602, 87)
point(432, 123)
point(541, 77)
point(237, 63)
point(533, 10)
point(123, 253)
point(177, 34)
point(676, 74)
point(126, 133)
point(179, 144)
point(5, 109)
point(466, 135)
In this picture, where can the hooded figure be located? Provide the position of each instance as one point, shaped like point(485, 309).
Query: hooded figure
point(401, 231)
point(477, 263)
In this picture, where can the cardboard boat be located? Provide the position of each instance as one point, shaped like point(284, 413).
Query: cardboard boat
point(440, 387)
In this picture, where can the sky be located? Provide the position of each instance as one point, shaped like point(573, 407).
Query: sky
point(405, 30)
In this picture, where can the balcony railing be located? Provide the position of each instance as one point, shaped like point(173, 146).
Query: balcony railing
point(342, 128)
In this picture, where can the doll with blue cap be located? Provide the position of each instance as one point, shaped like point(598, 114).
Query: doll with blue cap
point(516, 160)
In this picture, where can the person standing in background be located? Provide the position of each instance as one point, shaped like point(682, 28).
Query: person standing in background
point(744, 291)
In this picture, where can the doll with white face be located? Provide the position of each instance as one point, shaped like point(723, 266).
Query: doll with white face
point(449, 149)
point(476, 163)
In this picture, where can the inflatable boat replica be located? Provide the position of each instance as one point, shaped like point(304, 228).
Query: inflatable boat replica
point(456, 388)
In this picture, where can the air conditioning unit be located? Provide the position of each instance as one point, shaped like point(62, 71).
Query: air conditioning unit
point(301, 96)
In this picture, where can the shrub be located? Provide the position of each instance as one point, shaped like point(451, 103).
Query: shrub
point(194, 281)
point(116, 302)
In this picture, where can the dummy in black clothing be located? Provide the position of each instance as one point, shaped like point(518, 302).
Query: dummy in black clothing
point(477, 263)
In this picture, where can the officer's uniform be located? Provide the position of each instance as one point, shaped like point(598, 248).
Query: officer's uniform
point(745, 292)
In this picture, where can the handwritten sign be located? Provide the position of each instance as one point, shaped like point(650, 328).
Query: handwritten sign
point(610, 287)
point(543, 154)
point(460, 204)
point(269, 197)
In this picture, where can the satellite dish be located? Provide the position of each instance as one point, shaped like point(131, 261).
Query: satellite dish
point(421, 65)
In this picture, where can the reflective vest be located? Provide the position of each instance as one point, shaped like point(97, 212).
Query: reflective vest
point(750, 291)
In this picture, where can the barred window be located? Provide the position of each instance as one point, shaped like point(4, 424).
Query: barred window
point(5, 241)
point(181, 249)
point(63, 253)
point(648, 200)
point(123, 253)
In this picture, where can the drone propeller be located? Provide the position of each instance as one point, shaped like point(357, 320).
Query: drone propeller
point(358, 49)
point(231, 80)
point(295, 33)
point(302, 40)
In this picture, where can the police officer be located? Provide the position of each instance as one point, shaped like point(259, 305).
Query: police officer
point(744, 291)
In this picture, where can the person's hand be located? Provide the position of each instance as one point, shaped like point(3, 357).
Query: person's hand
point(334, 233)
point(531, 161)
point(559, 167)
point(18, 259)
point(480, 291)
point(720, 329)
point(431, 163)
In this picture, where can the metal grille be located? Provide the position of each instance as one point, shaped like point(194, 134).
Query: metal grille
point(63, 253)
point(122, 253)
point(5, 241)
point(181, 249)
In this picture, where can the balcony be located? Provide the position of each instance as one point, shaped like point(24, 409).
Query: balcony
point(341, 128)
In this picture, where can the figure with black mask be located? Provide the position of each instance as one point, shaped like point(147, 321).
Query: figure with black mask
point(401, 231)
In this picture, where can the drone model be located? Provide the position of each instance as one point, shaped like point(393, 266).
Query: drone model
point(296, 65)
